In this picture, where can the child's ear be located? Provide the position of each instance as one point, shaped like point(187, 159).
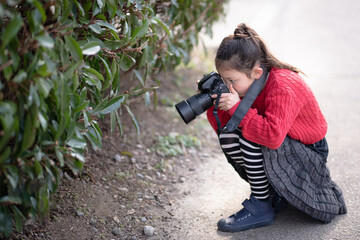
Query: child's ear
point(257, 72)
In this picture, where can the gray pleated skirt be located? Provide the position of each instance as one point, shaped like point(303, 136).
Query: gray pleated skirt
point(299, 173)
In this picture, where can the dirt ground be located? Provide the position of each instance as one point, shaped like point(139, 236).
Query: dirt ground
point(129, 183)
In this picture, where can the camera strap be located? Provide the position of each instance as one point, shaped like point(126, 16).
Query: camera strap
point(215, 112)
point(244, 105)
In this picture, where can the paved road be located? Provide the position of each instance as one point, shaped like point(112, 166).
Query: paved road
point(322, 38)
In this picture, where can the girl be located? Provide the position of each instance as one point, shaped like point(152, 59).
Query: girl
point(279, 147)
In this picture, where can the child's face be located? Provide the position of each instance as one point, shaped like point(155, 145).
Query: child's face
point(239, 80)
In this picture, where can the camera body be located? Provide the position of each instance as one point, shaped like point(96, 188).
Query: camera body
point(212, 83)
point(194, 106)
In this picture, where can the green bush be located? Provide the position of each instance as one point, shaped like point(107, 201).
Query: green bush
point(64, 65)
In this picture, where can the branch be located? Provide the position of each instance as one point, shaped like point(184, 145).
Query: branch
point(161, 44)
point(8, 63)
point(138, 49)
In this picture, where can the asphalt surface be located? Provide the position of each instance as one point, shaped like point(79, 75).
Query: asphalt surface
point(322, 38)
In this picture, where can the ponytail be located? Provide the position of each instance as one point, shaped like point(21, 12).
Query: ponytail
point(243, 49)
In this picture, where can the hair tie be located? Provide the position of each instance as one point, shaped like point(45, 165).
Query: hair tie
point(241, 35)
point(241, 32)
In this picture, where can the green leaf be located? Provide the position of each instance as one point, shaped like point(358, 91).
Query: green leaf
point(10, 200)
point(73, 48)
point(70, 71)
point(59, 156)
point(77, 143)
point(136, 124)
point(44, 86)
point(100, 3)
point(81, 106)
point(78, 164)
point(41, 10)
point(96, 10)
point(139, 32)
point(55, 178)
point(5, 221)
point(20, 76)
point(83, 94)
point(92, 73)
point(33, 97)
point(19, 218)
point(64, 55)
point(112, 105)
point(162, 24)
point(7, 111)
point(38, 169)
point(101, 16)
point(5, 154)
point(115, 121)
point(107, 25)
point(109, 74)
point(66, 10)
point(139, 77)
point(8, 134)
point(111, 9)
point(91, 48)
point(16, 60)
point(80, 8)
point(12, 29)
point(63, 116)
point(119, 122)
point(97, 129)
point(71, 130)
point(96, 28)
point(100, 106)
point(45, 41)
point(147, 98)
point(12, 175)
point(29, 132)
point(94, 82)
point(43, 70)
point(33, 201)
point(75, 81)
point(94, 137)
point(144, 57)
point(126, 62)
point(43, 121)
point(86, 119)
point(43, 201)
point(127, 29)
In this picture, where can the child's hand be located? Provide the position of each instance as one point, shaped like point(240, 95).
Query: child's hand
point(228, 100)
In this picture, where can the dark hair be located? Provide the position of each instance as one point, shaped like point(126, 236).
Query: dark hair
point(242, 50)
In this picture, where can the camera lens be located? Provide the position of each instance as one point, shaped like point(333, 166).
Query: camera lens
point(185, 111)
point(194, 106)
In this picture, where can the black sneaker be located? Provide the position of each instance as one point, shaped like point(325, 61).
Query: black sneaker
point(255, 214)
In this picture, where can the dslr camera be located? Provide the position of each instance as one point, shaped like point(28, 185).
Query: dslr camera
point(197, 104)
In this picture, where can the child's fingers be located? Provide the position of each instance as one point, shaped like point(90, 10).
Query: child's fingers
point(232, 90)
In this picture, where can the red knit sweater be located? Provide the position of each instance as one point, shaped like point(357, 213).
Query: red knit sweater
point(286, 106)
